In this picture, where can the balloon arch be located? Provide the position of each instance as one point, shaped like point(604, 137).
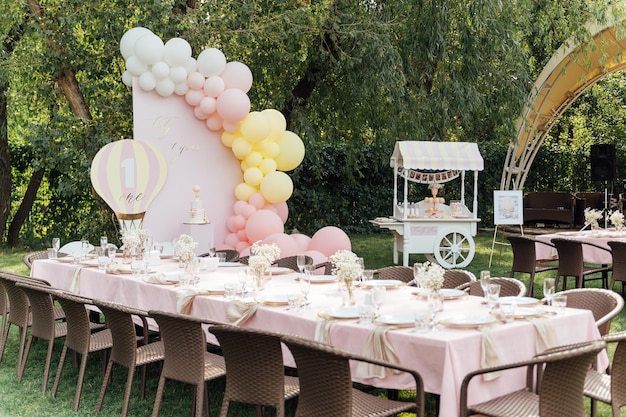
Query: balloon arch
point(569, 73)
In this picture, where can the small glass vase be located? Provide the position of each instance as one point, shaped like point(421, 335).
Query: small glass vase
point(619, 227)
point(347, 293)
point(259, 281)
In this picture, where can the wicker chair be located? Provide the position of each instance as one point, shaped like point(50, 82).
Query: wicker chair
point(19, 316)
point(559, 392)
point(509, 287)
point(186, 358)
point(33, 256)
point(618, 254)
point(571, 263)
point(609, 388)
point(125, 351)
point(254, 376)
point(327, 265)
point(291, 262)
point(525, 259)
point(231, 254)
point(244, 260)
point(79, 338)
point(454, 278)
point(326, 383)
point(401, 273)
point(604, 304)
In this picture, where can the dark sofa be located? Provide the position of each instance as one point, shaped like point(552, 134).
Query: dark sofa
point(553, 207)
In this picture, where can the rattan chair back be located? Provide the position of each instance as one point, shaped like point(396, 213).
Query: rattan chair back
point(125, 352)
point(326, 384)
point(618, 255)
point(33, 256)
point(509, 287)
point(19, 316)
point(401, 273)
point(231, 254)
point(525, 259)
point(291, 262)
point(186, 357)
point(79, 339)
point(327, 265)
point(571, 263)
point(454, 278)
point(44, 325)
point(254, 376)
point(604, 304)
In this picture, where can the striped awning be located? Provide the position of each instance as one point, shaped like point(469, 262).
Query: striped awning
point(437, 156)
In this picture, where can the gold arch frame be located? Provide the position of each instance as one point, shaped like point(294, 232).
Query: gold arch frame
point(571, 70)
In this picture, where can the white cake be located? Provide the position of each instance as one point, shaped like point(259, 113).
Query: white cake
point(198, 215)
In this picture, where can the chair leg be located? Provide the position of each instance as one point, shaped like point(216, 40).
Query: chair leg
point(129, 386)
point(103, 388)
point(57, 378)
point(20, 355)
point(205, 398)
point(531, 284)
point(46, 371)
point(5, 334)
point(159, 396)
point(224, 409)
point(22, 365)
point(593, 408)
point(79, 385)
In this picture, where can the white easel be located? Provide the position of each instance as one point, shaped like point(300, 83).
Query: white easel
point(508, 209)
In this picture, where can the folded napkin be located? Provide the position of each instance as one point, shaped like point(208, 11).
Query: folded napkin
point(114, 268)
point(545, 337)
point(163, 278)
point(75, 281)
point(377, 346)
point(238, 312)
point(488, 355)
point(184, 299)
point(322, 331)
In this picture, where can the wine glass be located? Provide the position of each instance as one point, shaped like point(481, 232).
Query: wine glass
point(85, 247)
point(417, 268)
point(485, 280)
point(242, 277)
point(301, 261)
point(305, 284)
point(56, 244)
point(378, 296)
point(111, 252)
point(548, 291)
point(104, 242)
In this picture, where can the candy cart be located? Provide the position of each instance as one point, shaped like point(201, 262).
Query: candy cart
point(443, 232)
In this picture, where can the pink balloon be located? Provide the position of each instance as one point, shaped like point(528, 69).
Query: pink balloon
point(240, 222)
point(329, 240)
point(286, 244)
point(257, 200)
point(244, 251)
point(231, 240)
point(214, 122)
point(194, 97)
point(263, 223)
point(248, 211)
point(207, 105)
point(241, 234)
point(221, 246)
point(302, 241)
point(200, 115)
point(318, 258)
point(239, 206)
point(282, 210)
point(271, 208)
point(213, 86)
point(230, 127)
point(237, 75)
point(231, 224)
point(195, 81)
point(233, 105)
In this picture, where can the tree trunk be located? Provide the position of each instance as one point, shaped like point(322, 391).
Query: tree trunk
point(5, 165)
point(13, 234)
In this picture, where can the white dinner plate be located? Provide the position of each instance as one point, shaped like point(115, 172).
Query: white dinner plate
point(468, 321)
point(451, 293)
point(89, 262)
point(529, 312)
point(342, 313)
point(387, 283)
point(211, 289)
point(322, 279)
point(402, 319)
point(520, 301)
point(278, 270)
point(229, 264)
point(274, 299)
point(66, 259)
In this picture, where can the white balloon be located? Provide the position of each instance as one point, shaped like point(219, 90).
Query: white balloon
point(149, 48)
point(127, 43)
point(160, 70)
point(135, 66)
point(127, 78)
point(191, 65)
point(147, 81)
point(178, 74)
point(165, 87)
point(177, 52)
point(211, 62)
point(181, 88)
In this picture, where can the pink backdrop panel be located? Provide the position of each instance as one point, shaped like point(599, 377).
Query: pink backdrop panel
point(195, 156)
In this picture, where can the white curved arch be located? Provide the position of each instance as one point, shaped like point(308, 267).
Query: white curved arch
point(571, 70)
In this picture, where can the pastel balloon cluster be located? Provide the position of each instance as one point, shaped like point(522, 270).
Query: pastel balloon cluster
point(216, 89)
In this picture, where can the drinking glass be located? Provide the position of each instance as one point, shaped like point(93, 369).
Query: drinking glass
point(230, 290)
point(293, 301)
point(422, 320)
point(559, 302)
point(548, 291)
point(361, 263)
point(378, 297)
point(135, 268)
point(493, 293)
point(301, 261)
point(84, 244)
point(52, 253)
point(56, 243)
point(305, 287)
point(242, 277)
point(507, 311)
point(111, 252)
point(417, 267)
point(485, 280)
point(366, 313)
point(368, 274)
point(103, 242)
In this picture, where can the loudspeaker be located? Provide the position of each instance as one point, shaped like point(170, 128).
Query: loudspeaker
point(603, 162)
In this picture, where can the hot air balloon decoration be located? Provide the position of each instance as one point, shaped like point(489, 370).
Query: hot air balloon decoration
point(128, 175)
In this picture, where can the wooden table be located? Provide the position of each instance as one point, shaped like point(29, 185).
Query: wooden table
point(442, 358)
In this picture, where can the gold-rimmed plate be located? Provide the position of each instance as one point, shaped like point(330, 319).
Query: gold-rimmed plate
point(529, 312)
point(387, 283)
point(468, 321)
point(350, 312)
point(396, 320)
point(279, 270)
point(519, 301)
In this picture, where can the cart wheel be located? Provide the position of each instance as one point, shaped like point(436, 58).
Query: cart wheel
point(454, 249)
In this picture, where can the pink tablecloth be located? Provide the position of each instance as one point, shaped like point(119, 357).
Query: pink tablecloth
point(590, 253)
point(442, 358)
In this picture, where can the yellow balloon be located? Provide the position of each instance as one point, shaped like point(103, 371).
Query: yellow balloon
point(291, 152)
point(276, 187)
point(253, 176)
point(241, 148)
point(255, 126)
point(271, 149)
point(277, 122)
point(267, 165)
point(243, 191)
point(254, 158)
point(228, 138)
point(243, 166)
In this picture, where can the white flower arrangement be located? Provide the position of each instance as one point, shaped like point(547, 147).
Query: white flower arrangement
point(617, 219)
point(342, 257)
point(346, 267)
point(134, 238)
point(271, 252)
point(435, 186)
point(592, 216)
point(430, 276)
point(185, 248)
point(258, 264)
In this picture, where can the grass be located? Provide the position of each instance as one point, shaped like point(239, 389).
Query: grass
point(25, 398)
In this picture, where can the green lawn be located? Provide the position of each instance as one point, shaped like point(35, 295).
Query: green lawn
point(26, 399)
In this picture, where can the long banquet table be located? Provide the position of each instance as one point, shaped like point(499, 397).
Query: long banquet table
point(590, 254)
point(442, 357)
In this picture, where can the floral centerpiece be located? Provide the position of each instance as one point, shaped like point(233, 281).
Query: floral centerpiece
point(434, 188)
point(262, 256)
point(133, 240)
point(185, 248)
point(347, 268)
point(429, 276)
point(617, 219)
point(592, 216)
